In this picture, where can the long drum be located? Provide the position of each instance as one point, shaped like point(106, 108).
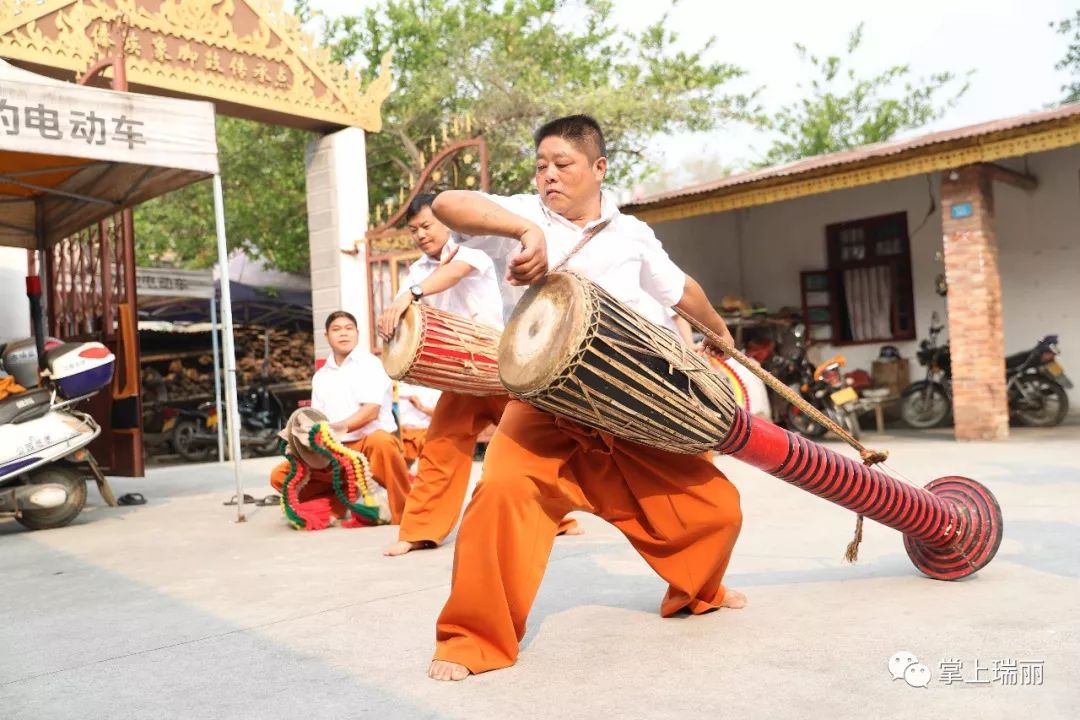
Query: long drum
point(573, 350)
point(445, 351)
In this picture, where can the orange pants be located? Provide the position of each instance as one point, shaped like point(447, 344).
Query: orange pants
point(413, 440)
point(384, 454)
point(442, 477)
point(678, 511)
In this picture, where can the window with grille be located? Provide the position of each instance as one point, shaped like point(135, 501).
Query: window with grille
point(870, 274)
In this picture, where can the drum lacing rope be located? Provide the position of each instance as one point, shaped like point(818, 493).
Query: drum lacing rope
point(868, 456)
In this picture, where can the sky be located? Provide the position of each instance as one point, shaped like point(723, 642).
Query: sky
point(1008, 43)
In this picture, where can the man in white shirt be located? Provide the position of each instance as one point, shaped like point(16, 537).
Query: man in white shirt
point(678, 511)
point(460, 280)
point(354, 392)
point(416, 405)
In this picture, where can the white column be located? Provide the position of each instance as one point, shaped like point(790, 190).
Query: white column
point(337, 205)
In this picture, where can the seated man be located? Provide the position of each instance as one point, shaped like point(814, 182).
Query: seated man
point(353, 391)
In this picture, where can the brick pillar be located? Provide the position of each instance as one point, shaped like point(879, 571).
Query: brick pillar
point(976, 336)
point(337, 205)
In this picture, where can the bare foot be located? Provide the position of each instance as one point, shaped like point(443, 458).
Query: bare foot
point(404, 546)
point(443, 670)
point(576, 530)
point(733, 599)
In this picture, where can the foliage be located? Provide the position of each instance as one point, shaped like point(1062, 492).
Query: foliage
point(509, 65)
point(843, 109)
point(1070, 28)
point(262, 171)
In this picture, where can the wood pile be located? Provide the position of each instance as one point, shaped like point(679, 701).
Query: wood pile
point(170, 376)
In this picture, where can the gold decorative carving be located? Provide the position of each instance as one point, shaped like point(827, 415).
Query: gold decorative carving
point(936, 160)
point(250, 53)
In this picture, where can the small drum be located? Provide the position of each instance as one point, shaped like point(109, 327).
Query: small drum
point(575, 351)
point(444, 351)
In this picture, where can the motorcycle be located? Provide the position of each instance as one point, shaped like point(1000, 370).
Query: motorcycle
point(44, 459)
point(1035, 384)
point(927, 403)
point(193, 433)
point(822, 386)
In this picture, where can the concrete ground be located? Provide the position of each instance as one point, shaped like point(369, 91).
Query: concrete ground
point(173, 610)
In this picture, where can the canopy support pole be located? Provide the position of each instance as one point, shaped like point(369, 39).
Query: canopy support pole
point(228, 342)
point(217, 378)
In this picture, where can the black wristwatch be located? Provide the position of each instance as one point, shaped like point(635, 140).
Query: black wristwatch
point(417, 292)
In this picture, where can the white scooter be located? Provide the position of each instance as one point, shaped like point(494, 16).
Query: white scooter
point(44, 459)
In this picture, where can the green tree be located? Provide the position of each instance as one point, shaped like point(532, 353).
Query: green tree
point(262, 172)
point(843, 109)
point(511, 64)
point(506, 64)
point(1070, 27)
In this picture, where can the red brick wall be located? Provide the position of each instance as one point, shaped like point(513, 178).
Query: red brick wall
point(976, 335)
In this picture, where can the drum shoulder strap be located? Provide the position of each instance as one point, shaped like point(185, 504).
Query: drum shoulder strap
point(585, 238)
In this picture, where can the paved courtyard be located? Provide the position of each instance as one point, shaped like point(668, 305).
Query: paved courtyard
point(173, 610)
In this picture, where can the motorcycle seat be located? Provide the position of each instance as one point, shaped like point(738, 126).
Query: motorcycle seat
point(1015, 361)
point(24, 406)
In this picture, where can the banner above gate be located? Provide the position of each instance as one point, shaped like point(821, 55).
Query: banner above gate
point(250, 56)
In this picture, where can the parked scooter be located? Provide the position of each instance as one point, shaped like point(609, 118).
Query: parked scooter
point(44, 460)
point(1035, 382)
point(194, 432)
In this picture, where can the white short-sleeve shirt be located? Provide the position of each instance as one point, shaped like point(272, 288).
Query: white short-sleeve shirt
point(339, 391)
point(476, 296)
point(625, 258)
point(408, 414)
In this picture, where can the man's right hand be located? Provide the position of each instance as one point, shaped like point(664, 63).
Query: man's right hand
point(530, 264)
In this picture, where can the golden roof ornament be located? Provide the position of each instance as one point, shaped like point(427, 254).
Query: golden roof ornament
point(249, 54)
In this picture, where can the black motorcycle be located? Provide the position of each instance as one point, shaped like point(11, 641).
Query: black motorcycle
point(1036, 385)
point(823, 387)
point(1035, 382)
point(193, 433)
point(927, 403)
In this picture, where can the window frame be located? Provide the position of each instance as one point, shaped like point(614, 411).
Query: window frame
point(900, 265)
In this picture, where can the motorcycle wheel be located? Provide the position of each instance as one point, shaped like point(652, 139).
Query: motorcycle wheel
point(185, 443)
point(1048, 410)
point(801, 423)
point(924, 412)
point(270, 445)
point(46, 519)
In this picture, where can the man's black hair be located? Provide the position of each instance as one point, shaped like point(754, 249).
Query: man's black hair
point(419, 203)
point(581, 130)
point(337, 315)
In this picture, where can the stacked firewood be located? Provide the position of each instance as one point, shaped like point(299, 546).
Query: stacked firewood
point(190, 374)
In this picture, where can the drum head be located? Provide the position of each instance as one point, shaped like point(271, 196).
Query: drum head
point(544, 334)
point(400, 352)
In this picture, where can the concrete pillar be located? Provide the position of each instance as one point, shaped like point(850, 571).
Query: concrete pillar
point(976, 334)
point(337, 205)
